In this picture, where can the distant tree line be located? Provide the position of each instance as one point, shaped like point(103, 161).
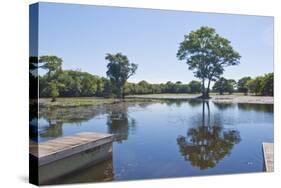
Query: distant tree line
point(260, 85)
point(74, 83)
point(71, 83)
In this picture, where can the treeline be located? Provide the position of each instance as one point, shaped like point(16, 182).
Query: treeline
point(144, 87)
point(260, 85)
point(70, 83)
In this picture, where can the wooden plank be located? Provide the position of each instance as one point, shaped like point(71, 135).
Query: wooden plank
point(268, 154)
point(63, 147)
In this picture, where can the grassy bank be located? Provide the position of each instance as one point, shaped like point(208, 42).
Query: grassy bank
point(96, 101)
point(76, 101)
point(233, 98)
point(86, 101)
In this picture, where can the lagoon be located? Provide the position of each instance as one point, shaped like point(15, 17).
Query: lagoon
point(166, 138)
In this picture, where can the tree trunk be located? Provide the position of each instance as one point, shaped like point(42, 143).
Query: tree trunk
point(208, 108)
point(203, 113)
point(122, 93)
point(203, 89)
point(208, 89)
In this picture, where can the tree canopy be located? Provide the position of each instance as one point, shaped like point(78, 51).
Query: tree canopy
point(74, 83)
point(242, 84)
point(207, 54)
point(261, 85)
point(119, 71)
point(223, 85)
point(53, 65)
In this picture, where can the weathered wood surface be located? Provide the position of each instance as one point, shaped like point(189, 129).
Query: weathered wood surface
point(268, 154)
point(63, 147)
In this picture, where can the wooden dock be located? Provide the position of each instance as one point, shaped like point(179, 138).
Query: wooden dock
point(65, 155)
point(268, 154)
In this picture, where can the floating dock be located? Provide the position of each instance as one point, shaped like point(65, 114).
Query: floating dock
point(268, 154)
point(61, 156)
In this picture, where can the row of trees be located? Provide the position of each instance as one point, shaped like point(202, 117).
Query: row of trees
point(144, 87)
point(70, 83)
point(261, 85)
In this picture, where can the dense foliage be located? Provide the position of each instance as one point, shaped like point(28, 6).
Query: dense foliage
point(223, 85)
point(260, 85)
point(74, 83)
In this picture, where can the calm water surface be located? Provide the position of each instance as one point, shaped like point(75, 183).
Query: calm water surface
point(167, 139)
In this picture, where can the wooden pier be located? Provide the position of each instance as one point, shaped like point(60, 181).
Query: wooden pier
point(61, 156)
point(268, 154)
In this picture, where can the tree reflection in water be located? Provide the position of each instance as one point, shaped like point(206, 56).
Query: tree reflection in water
point(100, 172)
point(208, 143)
point(119, 123)
point(54, 130)
point(57, 117)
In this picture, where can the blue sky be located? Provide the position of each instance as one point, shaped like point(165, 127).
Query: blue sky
point(81, 35)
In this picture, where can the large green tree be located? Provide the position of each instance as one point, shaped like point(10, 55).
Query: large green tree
point(262, 85)
point(254, 85)
point(119, 71)
point(267, 84)
point(242, 84)
point(194, 86)
point(224, 85)
point(207, 54)
point(53, 65)
point(220, 85)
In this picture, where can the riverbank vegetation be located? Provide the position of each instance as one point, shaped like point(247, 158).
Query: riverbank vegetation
point(260, 85)
point(70, 83)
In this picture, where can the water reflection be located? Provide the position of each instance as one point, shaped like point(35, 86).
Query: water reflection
point(179, 102)
point(256, 107)
point(102, 171)
point(54, 129)
point(33, 120)
point(223, 106)
point(57, 117)
point(208, 142)
point(209, 132)
point(119, 123)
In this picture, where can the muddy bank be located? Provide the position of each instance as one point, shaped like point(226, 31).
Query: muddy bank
point(243, 99)
point(215, 98)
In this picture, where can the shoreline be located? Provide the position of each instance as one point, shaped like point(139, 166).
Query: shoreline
point(95, 101)
point(215, 98)
point(244, 99)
